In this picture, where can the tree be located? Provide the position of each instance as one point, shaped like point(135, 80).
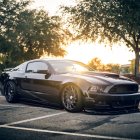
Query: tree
point(107, 21)
point(41, 34)
point(115, 68)
point(9, 10)
point(28, 34)
point(96, 64)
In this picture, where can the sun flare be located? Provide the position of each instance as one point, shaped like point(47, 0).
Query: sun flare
point(85, 52)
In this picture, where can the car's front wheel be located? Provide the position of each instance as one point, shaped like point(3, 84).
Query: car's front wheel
point(10, 92)
point(72, 99)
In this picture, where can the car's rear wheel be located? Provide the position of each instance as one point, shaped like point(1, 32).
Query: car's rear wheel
point(10, 92)
point(72, 99)
point(1, 88)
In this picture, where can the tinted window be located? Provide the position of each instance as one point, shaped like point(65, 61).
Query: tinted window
point(36, 67)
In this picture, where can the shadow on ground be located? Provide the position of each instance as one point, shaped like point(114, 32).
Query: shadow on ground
point(86, 111)
point(111, 112)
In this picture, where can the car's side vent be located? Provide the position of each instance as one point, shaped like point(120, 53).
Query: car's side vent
point(124, 89)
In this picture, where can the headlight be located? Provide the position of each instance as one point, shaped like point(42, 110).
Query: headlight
point(97, 89)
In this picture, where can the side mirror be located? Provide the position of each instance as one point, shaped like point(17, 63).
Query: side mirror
point(46, 72)
point(43, 71)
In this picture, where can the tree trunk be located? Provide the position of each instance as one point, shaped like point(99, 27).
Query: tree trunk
point(136, 63)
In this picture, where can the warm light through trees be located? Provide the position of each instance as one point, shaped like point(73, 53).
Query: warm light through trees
point(107, 21)
point(97, 65)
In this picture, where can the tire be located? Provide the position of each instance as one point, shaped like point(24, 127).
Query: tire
point(72, 99)
point(1, 88)
point(10, 92)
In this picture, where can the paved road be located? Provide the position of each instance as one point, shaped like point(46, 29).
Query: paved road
point(21, 121)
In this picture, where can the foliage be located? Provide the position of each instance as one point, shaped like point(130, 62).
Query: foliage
point(107, 21)
point(97, 65)
point(41, 34)
point(132, 66)
point(115, 68)
point(28, 34)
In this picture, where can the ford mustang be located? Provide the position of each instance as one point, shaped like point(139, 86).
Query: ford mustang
point(70, 84)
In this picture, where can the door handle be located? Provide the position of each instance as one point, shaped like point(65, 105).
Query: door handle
point(26, 77)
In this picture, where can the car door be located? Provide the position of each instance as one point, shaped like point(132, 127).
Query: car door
point(38, 83)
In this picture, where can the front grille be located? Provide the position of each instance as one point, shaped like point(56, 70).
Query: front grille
point(124, 89)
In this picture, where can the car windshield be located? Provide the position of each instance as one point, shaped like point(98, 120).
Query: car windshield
point(20, 67)
point(67, 66)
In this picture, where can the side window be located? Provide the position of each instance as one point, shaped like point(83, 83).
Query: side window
point(37, 67)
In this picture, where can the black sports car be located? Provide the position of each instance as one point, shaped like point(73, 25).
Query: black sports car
point(70, 84)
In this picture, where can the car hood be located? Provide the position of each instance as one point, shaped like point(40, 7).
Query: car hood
point(103, 77)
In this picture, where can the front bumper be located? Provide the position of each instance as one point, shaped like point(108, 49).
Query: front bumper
point(111, 101)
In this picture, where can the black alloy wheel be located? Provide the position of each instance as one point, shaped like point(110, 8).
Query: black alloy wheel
point(10, 92)
point(72, 98)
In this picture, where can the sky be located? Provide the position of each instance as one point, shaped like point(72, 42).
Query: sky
point(84, 52)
